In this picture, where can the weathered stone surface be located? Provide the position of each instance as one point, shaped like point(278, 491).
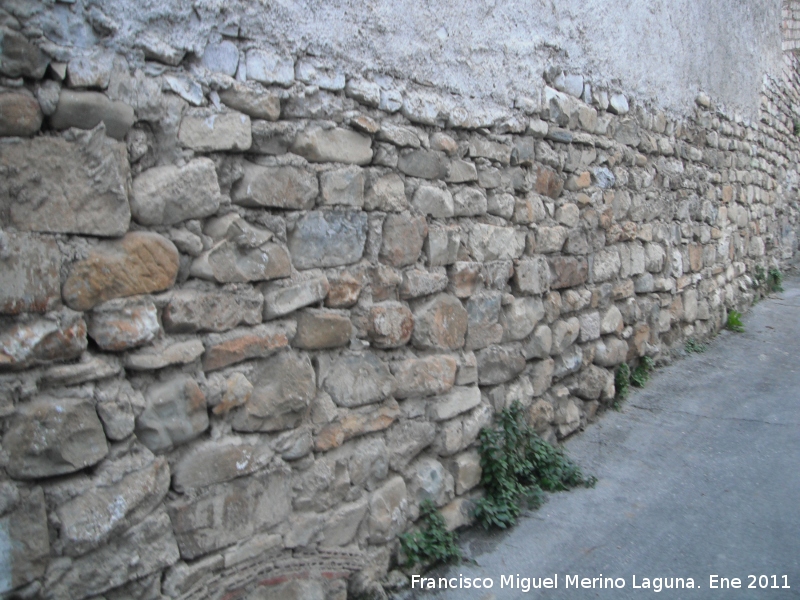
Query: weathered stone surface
point(469, 202)
point(354, 424)
point(175, 412)
point(442, 244)
point(320, 329)
point(358, 379)
point(267, 66)
point(53, 435)
point(273, 138)
point(92, 71)
point(564, 334)
point(594, 382)
point(567, 271)
point(498, 364)
point(86, 110)
point(406, 439)
point(550, 239)
point(190, 311)
point(403, 237)
point(146, 548)
point(344, 187)
point(440, 323)
point(344, 291)
point(20, 57)
point(20, 114)
point(429, 376)
point(388, 511)
point(328, 239)
point(433, 201)
point(29, 274)
point(59, 337)
point(281, 299)
point(528, 210)
point(489, 242)
point(461, 171)
point(222, 57)
point(24, 538)
point(139, 263)
point(532, 276)
point(389, 324)
point(283, 387)
point(568, 362)
point(429, 480)
point(122, 324)
point(520, 317)
point(333, 145)
point(567, 416)
point(168, 195)
point(124, 490)
point(231, 261)
point(399, 136)
point(540, 374)
point(426, 164)
point(466, 469)
point(223, 349)
point(342, 527)
point(610, 351)
point(539, 344)
point(483, 328)
point(219, 461)
point(277, 187)
point(89, 368)
point(548, 182)
point(83, 190)
point(464, 278)
point(117, 402)
point(206, 131)
point(605, 265)
point(418, 282)
point(458, 400)
point(611, 321)
point(386, 193)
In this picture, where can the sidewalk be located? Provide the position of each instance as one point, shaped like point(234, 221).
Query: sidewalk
point(699, 475)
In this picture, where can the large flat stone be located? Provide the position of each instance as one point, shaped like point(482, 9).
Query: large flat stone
point(403, 237)
point(52, 435)
point(428, 376)
point(223, 349)
point(218, 461)
point(168, 195)
point(83, 190)
point(29, 274)
point(276, 187)
point(139, 263)
point(489, 242)
point(252, 100)
point(190, 311)
point(358, 379)
point(456, 401)
point(86, 110)
point(207, 131)
point(319, 329)
point(283, 298)
point(230, 262)
point(328, 239)
point(283, 387)
point(164, 353)
point(333, 145)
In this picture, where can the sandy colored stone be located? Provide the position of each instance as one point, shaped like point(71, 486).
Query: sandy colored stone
point(139, 263)
point(234, 346)
point(20, 115)
point(389, 324)
point(319, 329)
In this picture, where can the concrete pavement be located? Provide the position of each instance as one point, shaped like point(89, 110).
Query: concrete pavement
point(699, 475)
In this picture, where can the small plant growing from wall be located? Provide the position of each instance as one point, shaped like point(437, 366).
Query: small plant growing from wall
point(735, 321)
point(775, 280)
point(641, 374)
point(432, 544)
point(694, 347)
point(518, 466)
point(622, 385)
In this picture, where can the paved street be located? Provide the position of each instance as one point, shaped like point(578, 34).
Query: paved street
point(699, 475)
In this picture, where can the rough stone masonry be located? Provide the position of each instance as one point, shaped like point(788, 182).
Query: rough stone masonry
point(254, 309)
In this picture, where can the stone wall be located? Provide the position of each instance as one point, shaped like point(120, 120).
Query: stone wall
point(251, 316)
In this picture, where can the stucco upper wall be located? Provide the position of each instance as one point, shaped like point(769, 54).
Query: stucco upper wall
point(661, 50)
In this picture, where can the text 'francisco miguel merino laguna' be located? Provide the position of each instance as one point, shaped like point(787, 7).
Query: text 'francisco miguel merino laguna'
point(526, 584)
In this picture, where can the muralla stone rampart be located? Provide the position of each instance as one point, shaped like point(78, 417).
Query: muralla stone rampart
point(254, 308)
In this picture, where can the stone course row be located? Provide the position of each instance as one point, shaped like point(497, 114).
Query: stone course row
point(253, 311)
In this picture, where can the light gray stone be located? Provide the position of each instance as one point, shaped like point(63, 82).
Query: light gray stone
point(204, 130)
point(550, 239)
point(458, 400)
point(333, 145)
point(440, 323)
point(610, 351)
point(386, 193)
point(568, 362)
point(418, 282)
point(433, 201)
point(389, 324)
point(489, 242)
point(328, 239)
point(175, 413)
point(399, 136)
point(21, 58)
point(266, 66)
point(429, 480)
point(532, 276)
point(358, 379)
point(231, 262)
point(484, 328)
point(461, 171)
point(281, 299)
point(564, 334)
point(117, 403)
point(343, 187)
point(501, 204)
point(84, 189)
point(520, 317)
point(406, 439)
point(402, 240)
point(498, 364)
point(88, 368)
point(618, 104)
point(168, 195)
point(442, 244)
point(221, 58)
point(612, 321)
point(428, 376)
point(539, 344)
point(540, 374)
point(86, 110)
point(590, 326)
point(273, 138)
point(277, 187)
point(388, 511)
point(23, 535)
point(313, 72)
point(53, 435)
point(90, 71)
point(469, 202)
point(606, 265)
point(427, 164)
point(363, 91)
point(184, 86)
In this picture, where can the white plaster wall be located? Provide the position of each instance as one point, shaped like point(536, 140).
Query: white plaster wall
point(663, 51)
